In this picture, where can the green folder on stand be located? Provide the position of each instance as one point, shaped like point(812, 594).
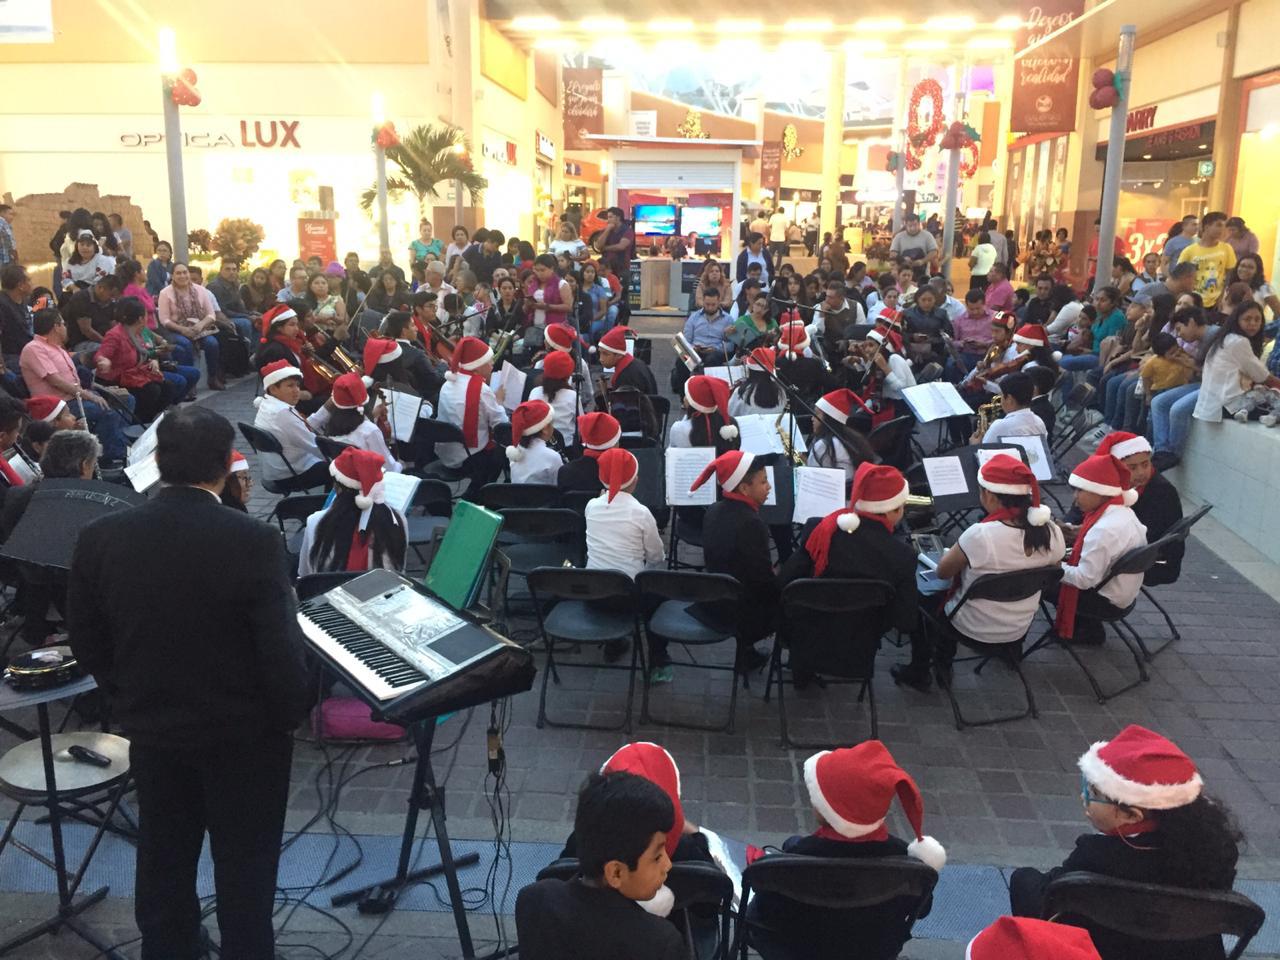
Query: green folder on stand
point(458, 567)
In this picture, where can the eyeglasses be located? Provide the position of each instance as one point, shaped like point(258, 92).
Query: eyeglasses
point(1088, 796)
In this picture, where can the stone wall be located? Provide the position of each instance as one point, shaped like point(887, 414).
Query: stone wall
point(37, 220)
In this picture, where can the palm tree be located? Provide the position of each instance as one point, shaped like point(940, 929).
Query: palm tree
point(426, 157)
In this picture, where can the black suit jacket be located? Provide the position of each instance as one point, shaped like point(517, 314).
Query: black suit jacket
point(1159, 507)
point(736, 541)
point(183, 612)
point(636, 375)
point(580, 474)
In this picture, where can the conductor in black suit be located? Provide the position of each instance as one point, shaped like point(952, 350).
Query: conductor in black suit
point(183, 612)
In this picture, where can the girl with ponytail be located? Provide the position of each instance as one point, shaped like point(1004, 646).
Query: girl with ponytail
point(357, 531)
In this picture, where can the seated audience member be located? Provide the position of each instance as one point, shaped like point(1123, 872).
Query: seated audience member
point(706, 421)
point(124, 360)
point(838, 449)
point(348, 422)
point(1016, 393)
point(736, 541)
point(1158, 508)
point(277, 415)
point(188, 315)
point(1016, 534)
point(1233, 365)
point(622, 533)
point(708, 329)
point(89, 314)
point(620, 831)
point(556, 390)
point(858, 543)
point(851, 790)
point(926, 325)
point(532, 460)
point(1168, 367)
point(1108, 531)
point(239, 486)
point(597, 432)
point(1022, 938)
point(1154, 824)
point(226, 288)
point(468, 402)
point(357, 531)
point(49, 371)
point(758, 392)
point(628, 371)
point(1170, 414)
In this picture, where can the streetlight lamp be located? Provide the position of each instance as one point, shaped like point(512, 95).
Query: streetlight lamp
point(169, 69)
point(379, 118)
point(461, 151)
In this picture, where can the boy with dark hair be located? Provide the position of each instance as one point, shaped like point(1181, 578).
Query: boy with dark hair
point(1019, 420)
point(621, 834)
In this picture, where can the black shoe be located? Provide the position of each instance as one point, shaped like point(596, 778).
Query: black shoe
point(751, 660)
point(1162, 460)
point(1087, 633)
point(904, 674)
point(615, 650)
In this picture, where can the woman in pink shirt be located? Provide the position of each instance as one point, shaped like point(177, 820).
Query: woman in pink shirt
point(187, 314)
point(129, 273)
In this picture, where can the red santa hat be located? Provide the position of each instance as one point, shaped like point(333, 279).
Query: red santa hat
point(1140, 768)
point(793, 339)
point(877, 488)
point(1032, 334)
point(599, 431)
point(730, 469)
point(557, 366)
point(711, 395)
point(1106, 476)
point(273, 373)
point(471, 353)
point(560, 337)
point(360, 470)
point(891, 340)
point(238, 463)
point(891, 318)
point(45, 408)
point(852, 789)
point(1022, 938)
point(838, 404)
point(1121, 444)
point(277, 314)
point(650, 761)
point(761, 358)
point(528, 419)
point(617, 467)
point(377, 350)
point(1003, 318)
point(615, 340)
point(1010, 476)
point(349, 392)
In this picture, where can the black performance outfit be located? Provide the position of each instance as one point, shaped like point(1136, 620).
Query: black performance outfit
point(580, 474)
point(1159, 507)
point(796, 930)
point(1138, 858)
point(736, 541)
point(557, 919)
point(637, 374)
point(205, 674)
point(807, 375)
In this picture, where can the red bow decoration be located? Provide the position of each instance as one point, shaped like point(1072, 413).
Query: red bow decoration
point(954, 138)
point(1106, 89)
point(386, 137)
point(184, 92)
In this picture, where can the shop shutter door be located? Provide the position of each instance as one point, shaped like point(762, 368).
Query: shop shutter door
point(692, 175)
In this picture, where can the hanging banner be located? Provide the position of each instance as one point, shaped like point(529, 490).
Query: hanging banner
point(1045, 81)
point(583, 107)
point(317, 238)
point(771, 166)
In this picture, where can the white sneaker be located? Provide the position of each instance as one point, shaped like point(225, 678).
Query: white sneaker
point(1268, 419)
point(1241, 416)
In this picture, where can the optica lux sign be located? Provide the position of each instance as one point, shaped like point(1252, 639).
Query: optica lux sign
point(251, 134)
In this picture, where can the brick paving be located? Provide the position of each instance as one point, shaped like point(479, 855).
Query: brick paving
point(1004, 795)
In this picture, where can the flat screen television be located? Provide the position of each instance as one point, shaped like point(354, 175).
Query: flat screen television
point(702, 221)
point(653, 219)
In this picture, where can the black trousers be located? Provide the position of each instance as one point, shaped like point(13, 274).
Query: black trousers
point(483, 466)
point(236, 792)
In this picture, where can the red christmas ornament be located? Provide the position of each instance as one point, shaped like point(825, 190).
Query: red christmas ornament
point(1103, 77)
point(955, 137)
point(386, 137)
point(922, 137)
point(1103, 98)
point(184, 92)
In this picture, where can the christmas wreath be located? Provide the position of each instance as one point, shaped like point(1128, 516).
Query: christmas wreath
point(969, 160)
point(922, 137)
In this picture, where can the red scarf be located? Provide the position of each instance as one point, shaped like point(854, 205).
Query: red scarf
point(471, 412)
point(624, 361)
point(10, 475)
point(818, 546)
point(1064, 624)
point(825, 832)
point(293, 343)
point(741, 498)
point(358, 553)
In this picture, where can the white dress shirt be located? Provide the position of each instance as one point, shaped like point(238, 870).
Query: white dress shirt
point(898, 378)
point(820, 456)
point(622, 535)
point(997, 548)
point(564, 409)
point(1117, 532)
point(367, 436)
point(1018, 423)
point(540, 464)
point(309, 539)
point(1224, 371)
point(296, 436)
point(451, 409)
point(679, 434)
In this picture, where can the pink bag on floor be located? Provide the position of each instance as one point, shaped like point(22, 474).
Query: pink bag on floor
point(346, 718)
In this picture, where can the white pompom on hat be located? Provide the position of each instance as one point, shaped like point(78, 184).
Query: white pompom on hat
point(1106, 476)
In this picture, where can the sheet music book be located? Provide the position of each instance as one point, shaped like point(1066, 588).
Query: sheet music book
point(730, 375)
point(18, 463)
point(402, 413)
point(398, 490)
point(983, 455)
point(510, 380)
point(946, 476)
point(683, 465)
point(935, 401)
point(144, 474)
point(757, 433)
point(145, 445)
point(772, 499)
point(819, 491)
point(1037, 458)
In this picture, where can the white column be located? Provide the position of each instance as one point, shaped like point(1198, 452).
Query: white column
point(900, 141)
point(832, 141)
point(1115, 152)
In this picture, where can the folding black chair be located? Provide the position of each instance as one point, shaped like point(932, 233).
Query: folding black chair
point(683, 530)
point(675, 592)
point(891, 441)
point(592, 607)
point(296, 510)
point(1136, 561)
point(1074, 420)
point(265, 444)
point(498, 496)
point(439, 431)
point(692, 883)
point(329, 447)
point(662, 411)
point(577, 500)
point(1118, 912)
point(897, 889)
point(1180, 531)
point(1008, 587)
point(428, 512)
point(832, 613)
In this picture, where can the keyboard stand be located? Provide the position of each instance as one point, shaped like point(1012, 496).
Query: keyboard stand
point(425, 795)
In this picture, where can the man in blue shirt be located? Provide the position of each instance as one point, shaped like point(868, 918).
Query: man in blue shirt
point(1174, 246)
point(708, 329)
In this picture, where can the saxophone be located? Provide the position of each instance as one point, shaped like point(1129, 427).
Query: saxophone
point(987, 413)
point(787, 446)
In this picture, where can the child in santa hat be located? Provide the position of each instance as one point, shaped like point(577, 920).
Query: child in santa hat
point(357, 531)
point(556, 388)
point(1018, 420)
point(596, 432)
point(621, 829)
point(622, 533)
point(1154, 824)
point(532, 460)
point(348, 423)
point(852, 791)
point(1020, 938)
point(277, 414)
point(758, 392)
point(833, 446)
point(239, 486)
point(625, 369)
point(468, 402)
point(706, 421)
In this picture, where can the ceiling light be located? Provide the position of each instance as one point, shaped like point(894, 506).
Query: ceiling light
point(1009, 23)
point(1203, 146)
point(603, 25)
point(535, 24)
point(879, 23)
point(990, 43)
point(808, 26)
point(739, 26)
point(1146, 156)
point(671, 26)
point(949, 23)
point(925, 45)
